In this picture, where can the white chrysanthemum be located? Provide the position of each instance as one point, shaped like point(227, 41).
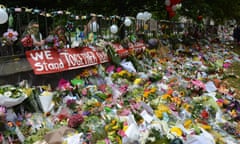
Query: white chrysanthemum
point(7, 93)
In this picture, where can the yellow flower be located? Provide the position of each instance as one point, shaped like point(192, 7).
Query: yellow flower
point(177, 131)
point(27, 91)
point(165, 96)
point(187, 107)
point(187, 123)
point(138, 99)
point(159, 113)
point(123, 73)
point(125, 127)
point(137, 81)
point(182, 93)
point(153, 90)
point(94, 71)
point(176, 100)
point(233, 113)
point(161, 109)
point(206, 126)
point(114, 121)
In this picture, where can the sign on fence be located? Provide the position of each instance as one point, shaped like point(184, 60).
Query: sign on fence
point(53, 61)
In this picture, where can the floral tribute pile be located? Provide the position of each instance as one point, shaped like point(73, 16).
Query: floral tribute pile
point(143, 99)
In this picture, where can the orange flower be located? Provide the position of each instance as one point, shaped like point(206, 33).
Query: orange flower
point(18, 123)
point(146, 93)
point(176, 100)
point(170, 91)
point(97, 104)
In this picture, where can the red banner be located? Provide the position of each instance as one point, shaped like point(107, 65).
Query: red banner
point(53, 61)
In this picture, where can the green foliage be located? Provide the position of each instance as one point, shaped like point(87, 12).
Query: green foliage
point(219, 10)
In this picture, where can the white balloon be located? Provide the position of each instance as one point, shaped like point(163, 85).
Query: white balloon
point(145, 15)
point(167, 2)
point(3, 16)
point(114, 29)
point(127, 22)
point(140, 16)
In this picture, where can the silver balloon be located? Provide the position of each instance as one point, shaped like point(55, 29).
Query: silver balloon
point(147, 15)
point(114, 29)
point(140, 16)
point(127, 22)
point(3, 16)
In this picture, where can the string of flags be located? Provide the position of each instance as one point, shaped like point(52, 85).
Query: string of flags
point(54, 13)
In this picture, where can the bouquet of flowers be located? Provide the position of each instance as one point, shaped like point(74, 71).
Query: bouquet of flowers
point(11, 96)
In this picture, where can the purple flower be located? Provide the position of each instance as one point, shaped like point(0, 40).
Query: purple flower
point(20, 117)
point(86, 113)
point(71, 102)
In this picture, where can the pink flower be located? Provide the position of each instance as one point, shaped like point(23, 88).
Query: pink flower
point(84, 91)
point(64, 85)
point(110, 69)
point(121, 133)
point(220, 100)
point(75, 120)
point(226, 65)
point(123, 88)
point(125, 112)
point(118, 69)
point(198, 83)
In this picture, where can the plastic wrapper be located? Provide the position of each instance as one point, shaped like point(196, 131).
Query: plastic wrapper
point(46, 100)
point(10, 102)
point(128, 66)
point(203, 138)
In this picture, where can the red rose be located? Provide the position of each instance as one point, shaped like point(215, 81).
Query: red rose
point(204, 114)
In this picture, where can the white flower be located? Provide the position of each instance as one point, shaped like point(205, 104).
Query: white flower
point(7, 93)
point(11, 35)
